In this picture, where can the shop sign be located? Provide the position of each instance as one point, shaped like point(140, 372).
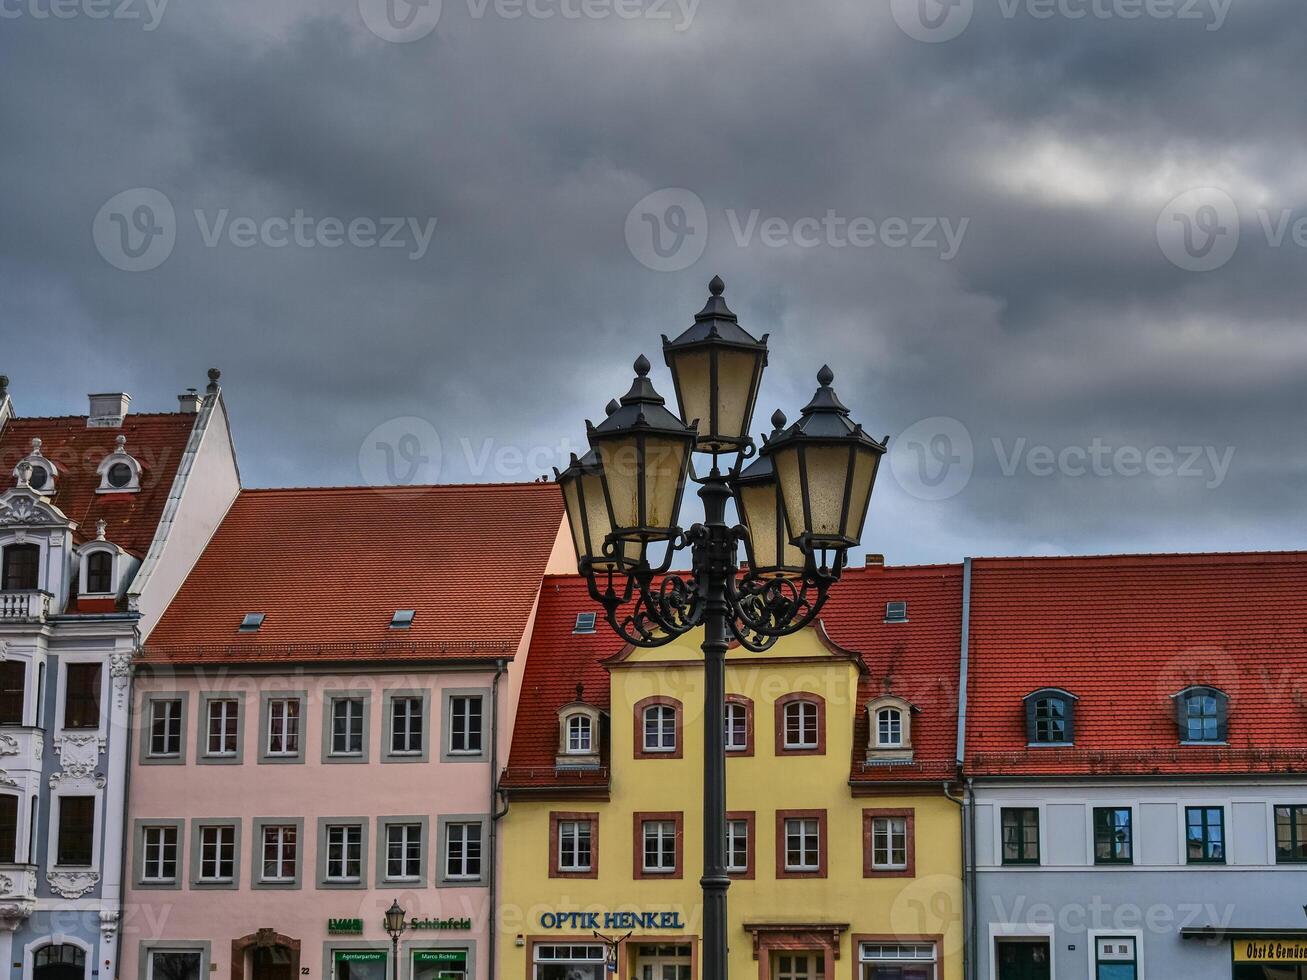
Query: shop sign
point(360, 956)
point(345, 927)
point(1270, 950)
point(416, 923)
point(445, 957)
point(611, 920)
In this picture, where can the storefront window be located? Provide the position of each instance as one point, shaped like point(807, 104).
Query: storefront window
point(662, 962)
point(1270, 959)
point(439, 964)
point(360, 964)
point(168, 964)
point(580, 962)
point(898, 961)
point(1116, 959)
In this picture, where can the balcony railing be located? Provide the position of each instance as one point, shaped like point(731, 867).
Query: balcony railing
point(24, 607)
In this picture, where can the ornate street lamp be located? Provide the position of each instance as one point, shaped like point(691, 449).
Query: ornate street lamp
point(802, 505)
point(395, 922)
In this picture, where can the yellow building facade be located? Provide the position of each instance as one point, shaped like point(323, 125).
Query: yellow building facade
point(832, 875)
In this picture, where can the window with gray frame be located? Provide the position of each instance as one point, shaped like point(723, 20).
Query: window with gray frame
point(283, 728)
point(1291, 834)
point(280, 853)
point(404, 851)
point(223, 728)
point(406, 726)
point(159, 855)
point(344, 852)
point(218, 853)
point(174, 964)
point(1201, 713)
point(465, 724)
point(165, 728)
point(347, 726)
point(463, 851)
point(1051, 721)
point(1020, 835)
point(1205, 834)
point(1113, 835)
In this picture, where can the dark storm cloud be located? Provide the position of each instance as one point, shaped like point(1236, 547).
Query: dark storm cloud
point(1048, 145)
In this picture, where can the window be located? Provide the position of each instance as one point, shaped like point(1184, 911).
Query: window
point(99, 572)
point(889, 728)
point(82, 696)
point(658, 840)
point(224, 728)
point(585, 623)
point(159, 854)
point(76, 831)
point(404, 851)
point(575, 844)
point(896, 612)
point(1050, 717)
point(402, 619)
point(22, 566)
point(463, 851)
point(1114, 959)
point(406, 726)
point(1021, 835)
point(568, 962)
point(13, 683)
point(284, 727)
point(1205, 834)
point(465, 724)
point(800, 966)
point(739, 725)
point(802, 844)
point(660, 728)
point(180, 964)
point(344, 852)
point(251, 623)
point(58, 961)
point(166, 728)
point(217, 853)
point(38, 477)
point(737, 846)
point(1201, 713)
point(347, 726)
point(118, 475)
point(1113, 843)
point(1290, 834)
point(580, 737)
point(1050, 720)
point(801, 728)
point(898, 961)
point(8, 829)
point(889, 843)
point(280, 852)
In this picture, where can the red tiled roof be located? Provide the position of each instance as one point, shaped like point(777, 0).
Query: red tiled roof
point(157, 441)
point(1124, 634)
point(329, 567)
point(919, 657)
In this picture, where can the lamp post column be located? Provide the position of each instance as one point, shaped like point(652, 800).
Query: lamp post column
point(715, 558)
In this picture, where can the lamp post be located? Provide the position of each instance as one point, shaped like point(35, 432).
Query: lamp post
point(801, 504)
point(395, 921)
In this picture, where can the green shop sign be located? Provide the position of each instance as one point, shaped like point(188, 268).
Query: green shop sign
point(345, 927)
point(444, 957)
point(360, 956)
point(416, 923)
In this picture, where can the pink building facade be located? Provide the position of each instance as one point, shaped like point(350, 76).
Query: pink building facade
point(318, 722)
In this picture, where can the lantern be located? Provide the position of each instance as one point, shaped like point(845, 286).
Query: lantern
point(758, 499)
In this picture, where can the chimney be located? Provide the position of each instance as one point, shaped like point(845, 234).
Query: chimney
point(189, 403)
point(108, 410)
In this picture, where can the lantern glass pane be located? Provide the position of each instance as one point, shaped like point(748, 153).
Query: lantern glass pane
point(664, 467)
point(736, 375)
point(596, 510)
point(828, 471)
point(864, 477)
point(690, 368)
point(786, 463)
point(621, 469)
point(758, 504)
point(572, 504)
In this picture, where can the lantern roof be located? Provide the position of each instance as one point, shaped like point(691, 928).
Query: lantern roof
point(641, 408)
point(825, 417)
point(761, 469)
point(715, 323)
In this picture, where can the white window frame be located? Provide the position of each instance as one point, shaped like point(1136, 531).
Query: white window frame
point(865, 960)
point(406, 831)
point(732, 840)
point(174, 717)
point(580, 735)
point(803, 708)
point(889, 728)
point(664, 833)
point(733, 708)
point(412, 718)
point(465, 830)
point(230, 716)
point(217, 846)
point(281, 832)
point(460, 724)
point(201, 969)
point(889, 829)
point(804, 863)
point(665, 728)
point(576, 834)
point(356, 709)
point(338, 852)
point(286, 734)
point(155, 852)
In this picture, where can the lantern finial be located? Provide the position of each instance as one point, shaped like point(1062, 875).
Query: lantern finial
point(612, 406)
point(825, 376)
point(778, 419)
point(642, 366)
point(717, 286)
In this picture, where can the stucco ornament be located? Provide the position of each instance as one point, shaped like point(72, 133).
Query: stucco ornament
point(78, 757)
point(108, 924)
point(72, 884)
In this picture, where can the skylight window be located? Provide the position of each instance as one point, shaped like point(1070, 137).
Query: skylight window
point(585, 623)
point(402, 619)
point(896, 612)
point(251, 622)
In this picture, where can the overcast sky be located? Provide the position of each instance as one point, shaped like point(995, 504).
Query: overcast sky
point(1050, 246)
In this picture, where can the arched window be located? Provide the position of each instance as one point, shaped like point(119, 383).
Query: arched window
point(580, 735)
point(800, 724)
point(22, 567)
point(1050, 717)
point(99, 572)
point(64, 962)
point(1202, 714)
point(660, 728)
point(119, 471)
point(739, 724)
point(889, 728)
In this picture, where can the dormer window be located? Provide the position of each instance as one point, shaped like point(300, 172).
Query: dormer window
point(578, 734)
point(896, 611)
point(1050, 717)
point(38, 469)
point(119, 472)
point(890, 738)
point(1202, 715)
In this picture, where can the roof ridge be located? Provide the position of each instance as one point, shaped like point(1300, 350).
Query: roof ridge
point(396, 487)
point(82, 418)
